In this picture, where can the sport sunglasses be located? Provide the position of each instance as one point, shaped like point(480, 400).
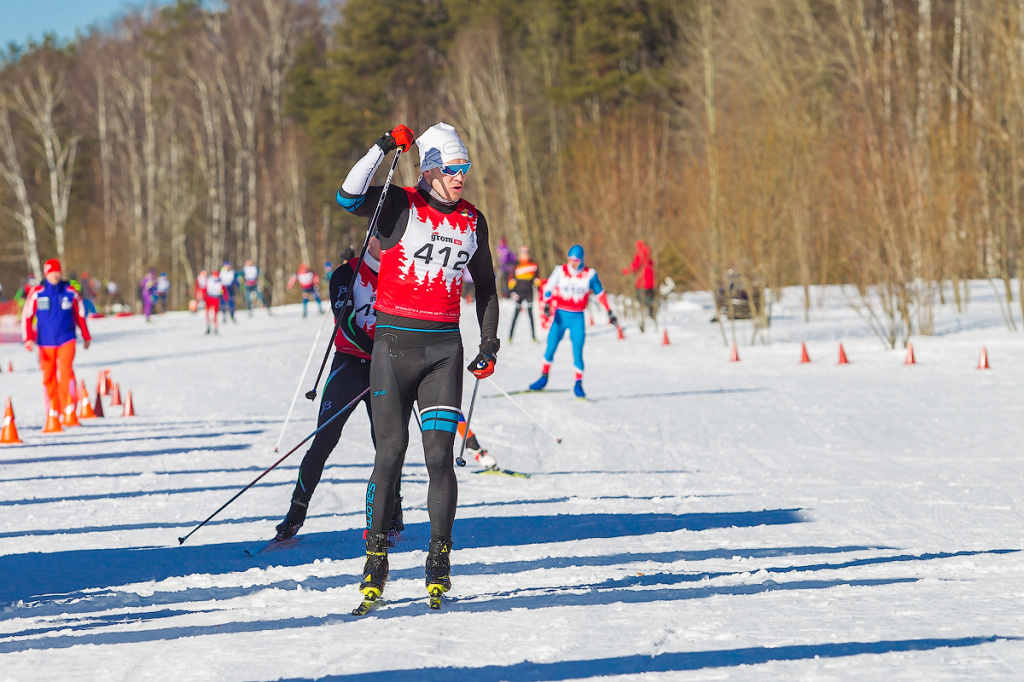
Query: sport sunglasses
point(456, 168)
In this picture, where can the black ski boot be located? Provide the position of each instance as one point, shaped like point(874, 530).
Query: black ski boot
point(375, 571)
point(293, 520)
point(438, 566)
point(397, 525)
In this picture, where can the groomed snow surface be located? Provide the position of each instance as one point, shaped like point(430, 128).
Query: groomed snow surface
point(701, 519)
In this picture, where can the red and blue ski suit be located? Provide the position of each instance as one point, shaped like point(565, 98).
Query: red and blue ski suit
point(569, 292)
point(56, 310)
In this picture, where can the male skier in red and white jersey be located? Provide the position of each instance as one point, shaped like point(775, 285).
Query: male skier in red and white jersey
point(568, 292)
point(428, 235)
point(309, 281)
point(213, 294)
point(350, 376)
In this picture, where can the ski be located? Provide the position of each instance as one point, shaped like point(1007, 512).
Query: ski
point(435, 598)
point(502, 472)
point(526, 391)
point(370, 601)
point(272, 544)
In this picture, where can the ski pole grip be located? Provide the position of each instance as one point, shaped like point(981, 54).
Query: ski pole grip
point(311, 394)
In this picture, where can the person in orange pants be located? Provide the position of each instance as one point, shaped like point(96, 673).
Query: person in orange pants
point(483, 457)
point(56, 309)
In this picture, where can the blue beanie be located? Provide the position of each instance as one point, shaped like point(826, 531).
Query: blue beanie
point(576, 252)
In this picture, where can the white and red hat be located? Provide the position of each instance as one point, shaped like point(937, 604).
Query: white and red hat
point(52, 265)
point(440, 144)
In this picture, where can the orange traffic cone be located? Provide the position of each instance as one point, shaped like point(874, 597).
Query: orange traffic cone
point(664, 338)
point(983, 360)
point(734, 356)
point(53, 419)
point(910, 355)
point(129, 408)
point(804, 357)
point(621, 335)
point(71, 413)
point(97, 408)
point(106, 378)
point(84, 406)
point(115, 395)
point(101, 384)
point(10, 432)
point(842, 356)
point(10, 366)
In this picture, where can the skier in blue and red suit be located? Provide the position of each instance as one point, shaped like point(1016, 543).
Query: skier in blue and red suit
point(57, 309)
point(568, 291)
point(428, 235)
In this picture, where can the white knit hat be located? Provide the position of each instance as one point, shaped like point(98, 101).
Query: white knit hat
point(440, 144)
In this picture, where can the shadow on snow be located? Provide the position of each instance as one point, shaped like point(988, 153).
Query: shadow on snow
point(129, 454)
point(34, 575)
point(667, 662)
point(412, 607)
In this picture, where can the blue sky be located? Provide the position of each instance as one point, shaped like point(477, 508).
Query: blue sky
point(21, 20)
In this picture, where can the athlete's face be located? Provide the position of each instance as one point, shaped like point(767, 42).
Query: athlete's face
point(53, 277)
point(575, 264)
point(524, 254)
point(448, 186)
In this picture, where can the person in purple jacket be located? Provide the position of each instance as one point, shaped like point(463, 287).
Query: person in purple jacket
point(147, 288)
point(506, 265)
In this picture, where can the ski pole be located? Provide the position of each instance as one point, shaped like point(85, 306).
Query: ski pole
point(311, 394)
point(537, 421)
point(472, 401)
point(355, 400)
point(298, 388)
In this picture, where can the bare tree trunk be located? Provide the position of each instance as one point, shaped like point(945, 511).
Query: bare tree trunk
point(711, 149)
point(150, 163)
point(952, 220)
point(10, 171)
point(105, 156)
point(294, 189)
point(38, 103)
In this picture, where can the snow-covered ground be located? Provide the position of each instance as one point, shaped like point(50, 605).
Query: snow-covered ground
point(701, 519)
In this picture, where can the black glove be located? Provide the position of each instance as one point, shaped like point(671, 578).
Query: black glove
point(612, 319)
point(547, 309)
point(483, 364)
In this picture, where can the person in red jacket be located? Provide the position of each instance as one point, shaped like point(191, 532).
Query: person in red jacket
point(643, 264)
point(57, 309)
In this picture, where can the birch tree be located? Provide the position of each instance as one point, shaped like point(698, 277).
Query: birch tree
point(38, 98)
point(11, 172)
